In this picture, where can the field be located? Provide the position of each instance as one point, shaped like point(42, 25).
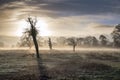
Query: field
point(84, 64)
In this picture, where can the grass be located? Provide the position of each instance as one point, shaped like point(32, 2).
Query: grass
point(60, 65)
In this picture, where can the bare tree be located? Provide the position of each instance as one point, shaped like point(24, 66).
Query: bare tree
point(50, 43)
point(80, 41)
point(94, 41)
point(88, 41)
point(103, 40)
point(33, 33)
point(72, 41)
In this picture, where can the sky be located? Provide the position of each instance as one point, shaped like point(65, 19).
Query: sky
point(60, 17)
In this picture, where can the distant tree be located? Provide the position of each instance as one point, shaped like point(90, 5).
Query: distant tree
point(94, 41)
point(88, 41)
point(116, 36)
point(50, 43)
point(103, 40)
point(80, 41)
point(72, 41)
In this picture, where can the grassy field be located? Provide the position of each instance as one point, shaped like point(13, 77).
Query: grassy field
point(61, 64)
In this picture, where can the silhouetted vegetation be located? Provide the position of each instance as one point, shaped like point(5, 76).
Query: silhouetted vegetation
point(116, 36)
point(26, 39)
point(33, 32)
point(90, 41)
point(87, 41)
point(103, 40)
point(72, 41)
point(89, 66)
point(50, 43)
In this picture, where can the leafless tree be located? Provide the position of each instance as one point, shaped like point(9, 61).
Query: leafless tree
point(103, 40)
point(72, 41)
point(33, 32)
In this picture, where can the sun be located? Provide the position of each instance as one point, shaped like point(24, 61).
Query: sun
point(41, 25)
point(43, 28)
point(21, 25)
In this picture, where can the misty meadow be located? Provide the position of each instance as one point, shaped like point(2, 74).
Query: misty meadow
point(59, 40)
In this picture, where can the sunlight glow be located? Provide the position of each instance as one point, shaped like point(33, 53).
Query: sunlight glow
point(21, 25)
point(41, 25)
point(43, 28)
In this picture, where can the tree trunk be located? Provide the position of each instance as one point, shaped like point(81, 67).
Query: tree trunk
point(50, 46)
point(36, 46)
point(73, 48)
point(42, 70)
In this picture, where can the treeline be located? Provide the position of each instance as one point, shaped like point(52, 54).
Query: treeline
point(88, 41)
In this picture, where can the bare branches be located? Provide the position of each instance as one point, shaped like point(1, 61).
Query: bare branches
point(32, 21)
point(35, 21)
point(33, 33)
point(72, 41)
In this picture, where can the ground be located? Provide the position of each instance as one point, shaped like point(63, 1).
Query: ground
point(84, 64)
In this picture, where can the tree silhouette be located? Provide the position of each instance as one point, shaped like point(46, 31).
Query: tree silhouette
point(33, 32)
point(116, 36)
point(26, 39)
point(80, 41)
point(50, 43)
point(94, 41)
point(72, 41)
point(88, 41)
point(103, 40)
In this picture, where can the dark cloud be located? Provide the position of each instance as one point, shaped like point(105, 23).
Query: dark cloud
point(78, 7)
point(3, 2)
point(71, 7)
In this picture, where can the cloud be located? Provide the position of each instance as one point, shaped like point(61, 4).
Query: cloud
point(59, 8)
point(98, 26)
point(65, 17)
point(78, 25)
point(78, 7)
